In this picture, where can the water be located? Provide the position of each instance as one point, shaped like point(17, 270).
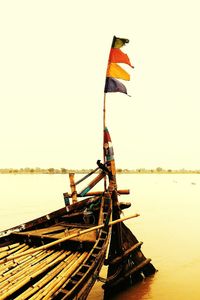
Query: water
point(169, 225)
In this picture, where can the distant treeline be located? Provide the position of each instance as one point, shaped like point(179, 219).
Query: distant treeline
point(158, 170)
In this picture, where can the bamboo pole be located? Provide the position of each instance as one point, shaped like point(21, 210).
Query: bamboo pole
point(9, 252)
point(104, 126)
point(22, 268)
point(57, 257)
point(30, 272)
point(67, 238)
point(45, 280)
point(46, 230)
point(19, 263)
point(52, 284)
point(27, 265)
point(55, 282)
point(104, 113)
point(5, 248)
point(73, 187)
point(66, 276)
point(86, 176)
point(13, 281)
point(4, 267)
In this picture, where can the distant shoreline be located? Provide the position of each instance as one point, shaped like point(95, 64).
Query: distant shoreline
point(86, 171)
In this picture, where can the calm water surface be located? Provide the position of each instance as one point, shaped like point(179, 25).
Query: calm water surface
point(169, 225)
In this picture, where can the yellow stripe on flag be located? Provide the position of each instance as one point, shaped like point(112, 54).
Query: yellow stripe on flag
point(115, 71)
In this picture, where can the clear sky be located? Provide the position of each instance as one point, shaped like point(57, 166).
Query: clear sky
point(53, 59)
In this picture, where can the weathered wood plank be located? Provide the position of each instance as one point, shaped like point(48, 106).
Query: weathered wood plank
point(98, 193)
point(118, 259)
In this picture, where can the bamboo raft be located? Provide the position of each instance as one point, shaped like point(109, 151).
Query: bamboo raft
point(60, 255)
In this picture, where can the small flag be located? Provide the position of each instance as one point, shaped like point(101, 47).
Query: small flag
point(117, 56)
point(114, 70)
point(108, 148)
point(113, 85)
point(109, 153)
point(119, 42)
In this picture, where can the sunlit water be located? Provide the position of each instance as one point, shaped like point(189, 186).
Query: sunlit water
point(169, 225)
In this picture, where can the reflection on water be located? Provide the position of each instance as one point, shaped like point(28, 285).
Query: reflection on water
point(169, 225)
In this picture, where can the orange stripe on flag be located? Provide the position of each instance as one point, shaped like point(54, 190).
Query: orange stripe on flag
point(114, 70)
point(117, 56)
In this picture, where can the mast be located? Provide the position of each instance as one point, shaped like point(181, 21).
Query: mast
point(104, 114)
point(126, 262)
point(112, 84)
point(104, 127)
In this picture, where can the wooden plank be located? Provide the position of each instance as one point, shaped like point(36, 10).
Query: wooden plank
point(118, 259)
point(98, 193)
point(101, 217)
point(75, 225)
point(92, 184)
point(113, 282)
point(87, 237)
point(35, 222)
point(46, 230)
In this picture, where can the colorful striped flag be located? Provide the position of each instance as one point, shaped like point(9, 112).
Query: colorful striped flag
point(115, 71)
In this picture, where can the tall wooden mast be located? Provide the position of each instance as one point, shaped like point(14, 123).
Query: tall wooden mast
point(126, 263)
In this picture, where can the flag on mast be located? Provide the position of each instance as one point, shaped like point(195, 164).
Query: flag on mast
point(115, 71)
point(109, 152)
point(112, 84)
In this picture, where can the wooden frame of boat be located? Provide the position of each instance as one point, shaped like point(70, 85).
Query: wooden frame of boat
point(60, 255)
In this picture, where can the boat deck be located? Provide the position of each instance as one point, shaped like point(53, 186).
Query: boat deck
point(56, 272)
point(59, 231)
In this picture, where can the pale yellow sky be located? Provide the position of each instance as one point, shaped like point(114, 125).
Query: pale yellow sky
point(53, 57)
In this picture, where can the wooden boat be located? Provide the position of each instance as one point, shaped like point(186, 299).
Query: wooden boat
point(60, 255)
